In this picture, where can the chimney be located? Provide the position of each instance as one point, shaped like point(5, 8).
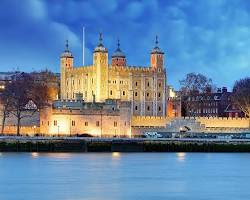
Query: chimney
point(224, 89)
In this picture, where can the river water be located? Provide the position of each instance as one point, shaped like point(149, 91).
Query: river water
point(126, 176)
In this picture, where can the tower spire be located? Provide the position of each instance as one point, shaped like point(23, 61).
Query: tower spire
point(156, 41)
point(67, 45)
point(100, 38)
point(118, 43)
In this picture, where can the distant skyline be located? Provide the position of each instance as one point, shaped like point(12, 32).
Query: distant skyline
point(210, 37)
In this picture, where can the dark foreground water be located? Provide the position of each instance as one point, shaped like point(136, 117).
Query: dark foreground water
point(114, 176)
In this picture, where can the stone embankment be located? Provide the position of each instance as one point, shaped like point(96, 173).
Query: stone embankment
point(35, 144)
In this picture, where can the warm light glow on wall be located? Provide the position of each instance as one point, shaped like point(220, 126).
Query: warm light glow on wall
point(172, 93)
point(62, 127)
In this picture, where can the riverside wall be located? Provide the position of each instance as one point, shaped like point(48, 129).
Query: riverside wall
point(118, 145)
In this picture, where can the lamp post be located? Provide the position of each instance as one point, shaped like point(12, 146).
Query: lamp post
point(34, 128)
point(70, 123)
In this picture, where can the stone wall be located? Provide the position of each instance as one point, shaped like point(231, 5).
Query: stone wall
point(216, 122)
point(24, 130)
point(221, 122)
point(150, 121)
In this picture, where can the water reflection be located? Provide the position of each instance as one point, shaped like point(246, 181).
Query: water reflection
point(124, 176)
point(116, 154)
point(60, 155)
point(34, 154)
point(181, 156)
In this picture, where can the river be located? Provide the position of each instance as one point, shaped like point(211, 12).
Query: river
point(125, 176)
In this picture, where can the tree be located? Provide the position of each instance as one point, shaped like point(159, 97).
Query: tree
point(5, 106)
point(48, 79)
point(241, 95)
point(22, 90)
point(191, 86)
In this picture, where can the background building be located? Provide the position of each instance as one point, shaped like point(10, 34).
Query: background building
point(214, 104)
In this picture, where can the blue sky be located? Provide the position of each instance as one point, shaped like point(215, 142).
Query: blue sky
point(203, 36)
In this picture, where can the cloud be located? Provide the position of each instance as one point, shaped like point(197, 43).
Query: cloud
point(209, 37)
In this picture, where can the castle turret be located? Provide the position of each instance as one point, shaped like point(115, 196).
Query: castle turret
point(67, 62)
point(100, 60)
point(118, 57)
point(157, 56)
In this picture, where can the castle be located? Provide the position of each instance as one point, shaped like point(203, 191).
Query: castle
point(144, 87)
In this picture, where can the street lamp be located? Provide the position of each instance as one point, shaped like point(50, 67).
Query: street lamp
point(34, 127)
point(58, 127)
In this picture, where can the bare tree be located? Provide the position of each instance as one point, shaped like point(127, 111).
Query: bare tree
point(5, 102)
point(193, 86)
point(241, 95)
point(22, 90)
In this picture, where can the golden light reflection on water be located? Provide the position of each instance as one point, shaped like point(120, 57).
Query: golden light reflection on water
point(181, 156)
point(116, 154)
point(60, 155)
point(34, 154)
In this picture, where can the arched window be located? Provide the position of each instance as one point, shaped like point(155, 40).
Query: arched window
point(148, 108)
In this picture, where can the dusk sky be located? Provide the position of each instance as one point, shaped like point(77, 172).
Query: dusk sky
point(210, 37)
